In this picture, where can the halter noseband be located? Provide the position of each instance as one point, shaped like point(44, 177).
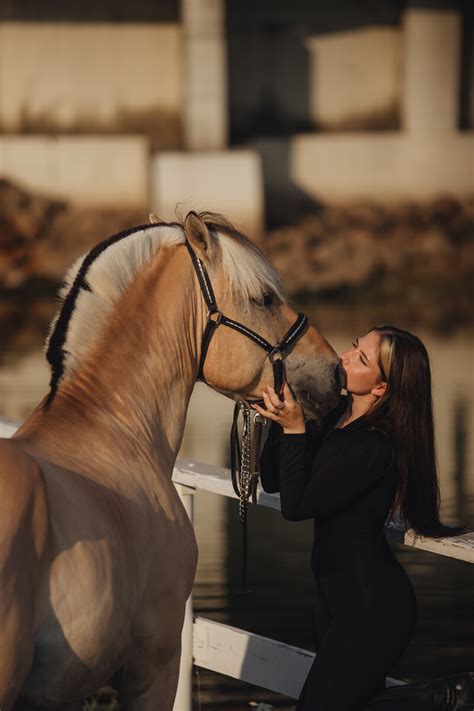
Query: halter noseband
point(215, 318)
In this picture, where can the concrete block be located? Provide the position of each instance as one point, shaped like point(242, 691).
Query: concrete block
point(205, 75)
point(432, 64)
point(98, 170)
point(229, 182)
point(388, 166)
point(205, 102)
point(354, 76)
point(91, 77)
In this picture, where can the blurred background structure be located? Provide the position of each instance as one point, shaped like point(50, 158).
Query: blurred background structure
point(238, 104)
point(353, 122)
point(341, 135)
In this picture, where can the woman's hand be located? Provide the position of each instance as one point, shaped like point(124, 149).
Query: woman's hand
point(287, 412)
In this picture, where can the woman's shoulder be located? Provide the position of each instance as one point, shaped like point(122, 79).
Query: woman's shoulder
point(373, 443)
point(361, 435)
point(381, 447)
point(379, 438)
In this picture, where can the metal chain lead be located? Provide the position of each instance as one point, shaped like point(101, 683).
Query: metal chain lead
point(245, 453)
point(248, 473)
point(245, 475)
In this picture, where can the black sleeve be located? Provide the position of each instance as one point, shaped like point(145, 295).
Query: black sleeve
point(328, 484)
point(270, 457)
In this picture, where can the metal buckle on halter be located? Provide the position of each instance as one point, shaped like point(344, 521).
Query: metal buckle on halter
point(273, 353)
point(215, 321)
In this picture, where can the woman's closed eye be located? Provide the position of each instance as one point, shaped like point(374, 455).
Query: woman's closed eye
point(360, 357)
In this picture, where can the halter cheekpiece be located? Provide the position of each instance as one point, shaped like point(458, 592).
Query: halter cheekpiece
point(215, 318)
point(245, 455)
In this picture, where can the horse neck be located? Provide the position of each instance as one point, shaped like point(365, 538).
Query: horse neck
point(128, 402)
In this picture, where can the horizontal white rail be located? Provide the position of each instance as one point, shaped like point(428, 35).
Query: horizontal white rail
point(206, 477)
point(252, 658)
point(197, 475)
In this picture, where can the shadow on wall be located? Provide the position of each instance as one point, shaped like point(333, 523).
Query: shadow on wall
point(269, 84)
point(269, 61)
point(285, 201)
point(278, 52)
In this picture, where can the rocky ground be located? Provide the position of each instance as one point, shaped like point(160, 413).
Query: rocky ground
point(418, 256)
point(352, 247)
point(41, 237)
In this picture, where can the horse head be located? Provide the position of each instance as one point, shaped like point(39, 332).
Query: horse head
point(248, 293)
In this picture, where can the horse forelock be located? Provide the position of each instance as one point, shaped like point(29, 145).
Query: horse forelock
point(248, 271)
point(96, 281)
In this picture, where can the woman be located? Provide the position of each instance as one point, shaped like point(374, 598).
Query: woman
point(372, 456)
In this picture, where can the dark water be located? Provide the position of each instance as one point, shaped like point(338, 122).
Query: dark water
point(281, 603)
point(282, 597)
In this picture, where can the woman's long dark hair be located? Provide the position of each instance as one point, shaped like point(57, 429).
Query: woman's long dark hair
point(405, 412)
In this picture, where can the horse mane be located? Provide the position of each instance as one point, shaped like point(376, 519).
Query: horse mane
point(96, 281)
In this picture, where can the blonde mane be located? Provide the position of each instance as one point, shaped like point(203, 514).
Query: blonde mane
point(96, 281)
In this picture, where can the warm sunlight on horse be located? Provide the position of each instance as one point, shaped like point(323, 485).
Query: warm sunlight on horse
point(97, 554)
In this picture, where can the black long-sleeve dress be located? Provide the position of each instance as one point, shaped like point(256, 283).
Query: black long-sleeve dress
point(345, 478)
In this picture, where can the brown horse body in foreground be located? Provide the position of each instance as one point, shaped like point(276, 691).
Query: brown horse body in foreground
point(97, 555)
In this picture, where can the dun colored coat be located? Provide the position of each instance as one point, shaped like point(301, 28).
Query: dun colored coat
point(97, 555)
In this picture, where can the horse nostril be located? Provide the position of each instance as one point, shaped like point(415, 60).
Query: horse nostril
point(340, 376)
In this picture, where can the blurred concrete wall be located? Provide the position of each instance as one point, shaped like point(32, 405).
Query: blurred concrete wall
point(88, 77)
point(86, 170)
point(350, 101)
point(355, 78)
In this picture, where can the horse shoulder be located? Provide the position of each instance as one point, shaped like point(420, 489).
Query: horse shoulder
point(23, 503)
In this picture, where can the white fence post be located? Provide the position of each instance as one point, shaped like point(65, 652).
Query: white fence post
point(184, 692)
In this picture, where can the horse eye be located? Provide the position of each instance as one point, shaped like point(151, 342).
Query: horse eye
point(267, 299)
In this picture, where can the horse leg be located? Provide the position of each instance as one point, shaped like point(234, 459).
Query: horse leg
point(153, 684)
point(150, 676)
point(23, 536)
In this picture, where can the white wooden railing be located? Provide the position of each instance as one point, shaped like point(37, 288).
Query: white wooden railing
point(246, 656)
point(240, 654)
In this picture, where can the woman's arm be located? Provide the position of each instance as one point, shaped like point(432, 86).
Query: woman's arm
point(329, 484)
point(269, 460)
point(270, 457)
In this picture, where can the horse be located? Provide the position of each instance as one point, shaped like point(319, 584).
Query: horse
point(97, 554)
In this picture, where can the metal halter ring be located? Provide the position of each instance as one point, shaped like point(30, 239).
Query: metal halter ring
point(217, 320)
point(272, 355)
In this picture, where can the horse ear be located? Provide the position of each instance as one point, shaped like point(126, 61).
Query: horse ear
point(198, 236)
point(154, 219)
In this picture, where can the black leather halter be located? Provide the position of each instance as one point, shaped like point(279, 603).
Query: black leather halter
point(244, 478)
point(215, 318)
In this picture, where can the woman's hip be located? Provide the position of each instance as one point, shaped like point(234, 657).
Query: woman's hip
point(382, 595)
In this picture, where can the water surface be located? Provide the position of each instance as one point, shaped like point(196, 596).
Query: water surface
point(282, 595)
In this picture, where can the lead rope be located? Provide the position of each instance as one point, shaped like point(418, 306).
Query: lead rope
point(245, 456)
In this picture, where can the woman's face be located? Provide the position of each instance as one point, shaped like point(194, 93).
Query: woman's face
point(360, 362)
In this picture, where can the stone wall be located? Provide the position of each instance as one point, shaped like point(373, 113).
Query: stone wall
point(92, 78)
